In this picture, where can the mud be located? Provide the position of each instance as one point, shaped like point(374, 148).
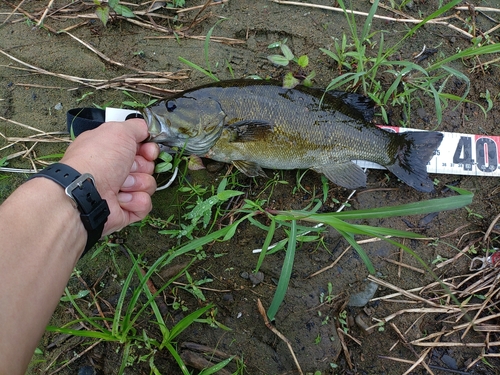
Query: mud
point(310, 325)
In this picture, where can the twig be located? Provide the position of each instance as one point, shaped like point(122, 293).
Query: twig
point(438, 21)
point(262, 312)
point(345, 349)
point(402, 291)
point(331, 265)
point(34, 19)
point(403, 265)
point(490, 228)
point(76, 357)
point(183, 10)
point(405, 343)
point(216, 39)
point(431, 366)
point(40, 21)
point(14, 11)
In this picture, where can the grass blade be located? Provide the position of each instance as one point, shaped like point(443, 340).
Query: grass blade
point(286, 272)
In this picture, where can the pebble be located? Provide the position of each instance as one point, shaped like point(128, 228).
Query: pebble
point(256, 278)
point(362, 320)
point(86, 370)
point(449, 361)
point(58, 106)
point(422, 113)
point(360, 299)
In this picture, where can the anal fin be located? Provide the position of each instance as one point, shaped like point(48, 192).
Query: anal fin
point(249, 168)
point(347, 174)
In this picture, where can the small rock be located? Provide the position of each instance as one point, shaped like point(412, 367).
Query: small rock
point(422, 113)
point(449, 362)
point(363, 322)
point(58, 106)
point(86, 370)
point(256, 278)
point(244, 275)
point(360, 299)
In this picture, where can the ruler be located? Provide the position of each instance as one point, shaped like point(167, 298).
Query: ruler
point(459, 153)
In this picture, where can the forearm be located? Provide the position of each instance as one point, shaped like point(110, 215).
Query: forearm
point(41, 238)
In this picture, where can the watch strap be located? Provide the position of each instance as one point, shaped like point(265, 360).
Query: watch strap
point(94, 210)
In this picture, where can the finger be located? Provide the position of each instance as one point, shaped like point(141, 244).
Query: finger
point(142, 165)
point(149, 150)
point(140, 182)
point(137, 204)
point(138, 129)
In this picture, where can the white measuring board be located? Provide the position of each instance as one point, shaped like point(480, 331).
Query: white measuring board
point(459, 153)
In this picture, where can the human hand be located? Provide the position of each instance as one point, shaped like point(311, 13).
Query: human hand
point(122, 168)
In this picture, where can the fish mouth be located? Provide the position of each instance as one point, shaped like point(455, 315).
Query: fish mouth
point(154, 126)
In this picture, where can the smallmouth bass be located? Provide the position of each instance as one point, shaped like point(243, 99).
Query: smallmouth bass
point(259, 124)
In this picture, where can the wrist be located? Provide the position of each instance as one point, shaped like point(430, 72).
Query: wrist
point(81, 191)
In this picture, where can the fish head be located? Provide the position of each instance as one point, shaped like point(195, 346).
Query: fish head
point(192, 124)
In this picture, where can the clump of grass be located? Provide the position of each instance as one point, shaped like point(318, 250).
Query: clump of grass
point(337, 221)
point(360, 71)
point(296, 233)
point(122, 327)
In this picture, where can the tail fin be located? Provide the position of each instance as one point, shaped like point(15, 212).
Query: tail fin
point(412, 156)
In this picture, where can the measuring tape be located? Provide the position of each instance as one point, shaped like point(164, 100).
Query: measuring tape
point(459, 153)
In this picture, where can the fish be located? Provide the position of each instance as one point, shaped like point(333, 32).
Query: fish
point(258, 124)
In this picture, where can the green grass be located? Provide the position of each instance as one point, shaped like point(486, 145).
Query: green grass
point(124, 327)
point(361, 71)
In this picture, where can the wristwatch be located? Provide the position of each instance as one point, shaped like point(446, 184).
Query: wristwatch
point(80, 188)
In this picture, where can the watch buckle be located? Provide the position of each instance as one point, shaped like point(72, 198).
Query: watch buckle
point(77, 184)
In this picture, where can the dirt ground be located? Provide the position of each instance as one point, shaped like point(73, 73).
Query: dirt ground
point(40, 100)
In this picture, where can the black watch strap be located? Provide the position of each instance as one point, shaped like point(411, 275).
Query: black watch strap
point(94, 210)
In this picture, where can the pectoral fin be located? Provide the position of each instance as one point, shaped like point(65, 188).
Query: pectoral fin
point(253, 130)
point(249, 168)
point(348, 174)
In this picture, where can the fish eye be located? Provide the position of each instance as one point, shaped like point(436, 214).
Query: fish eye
point(170, 106)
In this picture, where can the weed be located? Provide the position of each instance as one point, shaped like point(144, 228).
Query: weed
point(208, 71)
point(121, 328)
point(328, 298)
point(342, 318)
point(487, 96)
point(361, 71)
point(337, 221)
point(201, 212)
point(292, 78)
point(192, 286)
point(438, 259)
point(176, 3)
point(103, 9)
point(84, 96)
point(166, 164)
point(473, 214)
point(135, 103)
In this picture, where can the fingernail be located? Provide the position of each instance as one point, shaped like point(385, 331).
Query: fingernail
point(134, 167)
point(124, 197)
point(129, 181)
